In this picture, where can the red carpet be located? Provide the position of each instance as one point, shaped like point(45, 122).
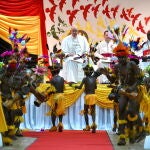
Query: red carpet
point(70, 140)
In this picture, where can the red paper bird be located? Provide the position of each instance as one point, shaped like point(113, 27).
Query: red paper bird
point(135, 18)
point(106, 11)
point(72, 15)
point(115, 10)
point(147, 19)
point(124, 15)
point(130, 11)
point(85, 10)
point(52, 12)
point(52, 2)
point(96, 10)
point(61, 4)
point(103, 2)
point(74, 2)
point(141, 27)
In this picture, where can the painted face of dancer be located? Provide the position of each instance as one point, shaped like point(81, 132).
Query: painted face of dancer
point(122, 59)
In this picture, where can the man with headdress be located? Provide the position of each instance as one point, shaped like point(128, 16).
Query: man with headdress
point(90, 98)
point(57, 100)
point(127, 74)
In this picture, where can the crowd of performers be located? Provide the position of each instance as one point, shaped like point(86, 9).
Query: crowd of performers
point(130, 92)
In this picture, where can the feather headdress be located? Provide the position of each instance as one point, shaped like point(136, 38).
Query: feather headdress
point(121, 50)
point(118, 33)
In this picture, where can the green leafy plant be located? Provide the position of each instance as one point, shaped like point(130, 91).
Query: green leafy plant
point(57, 29)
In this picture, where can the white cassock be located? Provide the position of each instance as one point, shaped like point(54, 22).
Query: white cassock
point(140, 53)
point(104, 47)
point(76, 46)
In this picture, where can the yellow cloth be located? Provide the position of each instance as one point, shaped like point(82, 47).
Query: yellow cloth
point(90, 99)
point(25, 25)
point(3, 126)
point(45, 88)
point(56, 102)
point(102, 92)
point(59, 100)
point(145, 102)
point(71, 95)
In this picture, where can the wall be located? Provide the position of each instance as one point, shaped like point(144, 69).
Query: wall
point(135, 14)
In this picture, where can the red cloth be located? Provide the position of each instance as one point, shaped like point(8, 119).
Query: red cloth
point(107, 54)
point(146, 52)
point(70, 140)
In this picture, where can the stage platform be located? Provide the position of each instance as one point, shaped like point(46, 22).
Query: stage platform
point(36, 118)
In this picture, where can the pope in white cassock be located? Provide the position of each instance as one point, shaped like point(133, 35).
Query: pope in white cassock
point(73, 46)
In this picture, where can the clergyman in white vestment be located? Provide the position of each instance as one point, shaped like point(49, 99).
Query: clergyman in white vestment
point(74, 45)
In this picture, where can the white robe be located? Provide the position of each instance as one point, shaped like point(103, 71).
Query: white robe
point(139, 53)
point(72, 71)
point(104, 47)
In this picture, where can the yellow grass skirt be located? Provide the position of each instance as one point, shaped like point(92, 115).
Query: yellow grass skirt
point(90, 99)
point(57, 99)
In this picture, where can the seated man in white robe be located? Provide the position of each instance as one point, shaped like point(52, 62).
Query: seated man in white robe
point(74, 47)
point(104, 54)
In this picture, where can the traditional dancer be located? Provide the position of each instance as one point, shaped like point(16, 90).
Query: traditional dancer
point(128, 74)
point(57, 101)
point(90, 98)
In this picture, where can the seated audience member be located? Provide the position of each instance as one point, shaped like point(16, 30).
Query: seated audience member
point(74, 46)
point(104, 53)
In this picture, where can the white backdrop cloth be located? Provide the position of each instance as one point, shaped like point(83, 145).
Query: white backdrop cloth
point(35, 118)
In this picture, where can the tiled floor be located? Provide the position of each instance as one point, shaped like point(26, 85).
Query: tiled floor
point(135, 146)
point(22, 142)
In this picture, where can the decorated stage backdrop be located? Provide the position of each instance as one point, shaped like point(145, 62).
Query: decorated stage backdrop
point(38, 118)
point(54, 17)
point(28, 18)
point(94, 16)
point(49, 21)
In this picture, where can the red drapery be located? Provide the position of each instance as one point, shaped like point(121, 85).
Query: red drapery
point(26, 8)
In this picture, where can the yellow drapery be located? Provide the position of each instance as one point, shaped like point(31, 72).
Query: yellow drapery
point(72, 95)
point(29, 25)
point(3, 126)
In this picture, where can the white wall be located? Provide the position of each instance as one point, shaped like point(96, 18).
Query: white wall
point(95, 26)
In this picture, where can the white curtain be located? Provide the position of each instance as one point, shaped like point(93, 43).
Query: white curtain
point(35, 118)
